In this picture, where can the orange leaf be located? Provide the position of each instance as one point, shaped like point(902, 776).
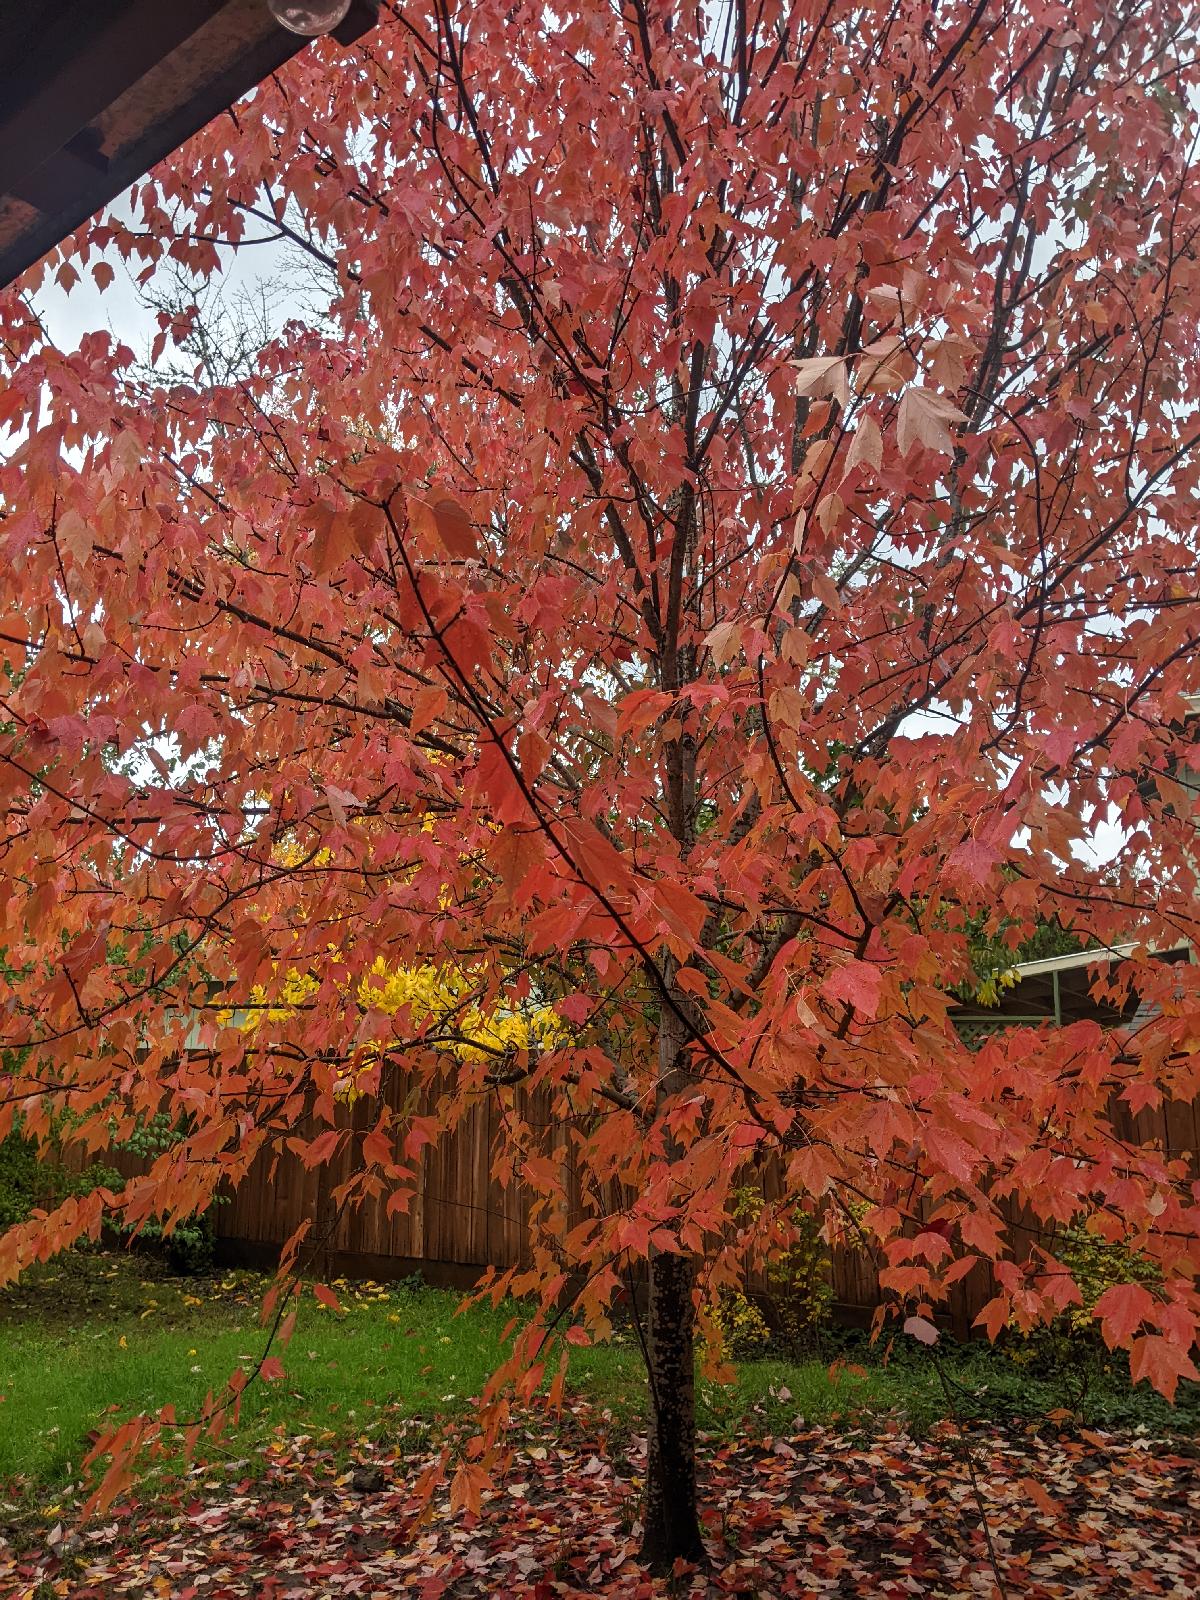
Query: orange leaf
point(1040, 1498)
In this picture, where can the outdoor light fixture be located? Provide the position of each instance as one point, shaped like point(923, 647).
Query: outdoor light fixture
point(308, 17)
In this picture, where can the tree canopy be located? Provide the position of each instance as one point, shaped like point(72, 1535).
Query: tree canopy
point(727, 536)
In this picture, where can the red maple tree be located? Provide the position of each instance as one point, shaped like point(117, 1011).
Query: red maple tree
point(732, 530)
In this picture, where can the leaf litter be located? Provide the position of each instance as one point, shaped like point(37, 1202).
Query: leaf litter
point(816, 1513)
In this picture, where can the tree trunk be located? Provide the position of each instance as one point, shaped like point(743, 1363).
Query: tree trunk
point(672, 1528)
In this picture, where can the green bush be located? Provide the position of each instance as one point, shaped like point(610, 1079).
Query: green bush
point(188, 1249)
point(800, 1286)
point(795, 1302)
point(191, 1247)
point(1097, 1265)
point(152, 1136)
point(29, 1179)
point(21, 1181)
point(1070, 1347)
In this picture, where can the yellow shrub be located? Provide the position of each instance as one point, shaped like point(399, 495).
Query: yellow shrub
point(738, 1323)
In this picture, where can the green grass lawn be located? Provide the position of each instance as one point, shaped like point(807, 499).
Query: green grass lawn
point(94, 1336)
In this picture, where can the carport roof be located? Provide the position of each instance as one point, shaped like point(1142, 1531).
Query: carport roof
point(94, 92)
point(1059, 989)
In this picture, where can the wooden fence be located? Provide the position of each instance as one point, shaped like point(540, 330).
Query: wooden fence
point(462, 1220)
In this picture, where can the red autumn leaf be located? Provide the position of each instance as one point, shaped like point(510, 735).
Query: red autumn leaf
point(855, 983)
point(682, 911)
point(377, 1148)
point(449, 522)
point(1036, 1492)
point(500, 786)
point(600, 863)
point(465, 1489)
point(313, 1152)
point(1162, 1363)
point(1122, 1308)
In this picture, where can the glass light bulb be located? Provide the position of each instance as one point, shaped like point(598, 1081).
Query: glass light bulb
point(308, 17)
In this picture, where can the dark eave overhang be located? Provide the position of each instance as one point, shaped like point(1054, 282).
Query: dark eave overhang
point(94, 92)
